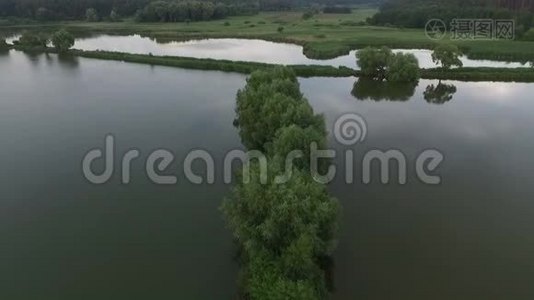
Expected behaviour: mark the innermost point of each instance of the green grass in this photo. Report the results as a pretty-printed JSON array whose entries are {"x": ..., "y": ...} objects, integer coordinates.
[
  {"x": 209, "y": 64},
  {"x": 481, "y": 74},
  {"x": 323, "y": 36}
]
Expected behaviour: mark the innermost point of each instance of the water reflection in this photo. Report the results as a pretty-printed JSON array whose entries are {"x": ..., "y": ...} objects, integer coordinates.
[
  {"x": 368, "y": 89},
  {"x": 33, "y": 56},
  {"x": 440, "y": 93},
  {"x": 68, "y": 61},
  {"x": 247, "y": 50}
]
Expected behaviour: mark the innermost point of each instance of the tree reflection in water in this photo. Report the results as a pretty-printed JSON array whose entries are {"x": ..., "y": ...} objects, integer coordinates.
[
  {"x": 440, "y": 93},
  {"x": 376, "y": 90}
]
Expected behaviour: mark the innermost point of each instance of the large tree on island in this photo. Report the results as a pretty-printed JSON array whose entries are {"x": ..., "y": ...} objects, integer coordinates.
[
  {"x": 62, "y": 40},
  {"x": 284, "y": 229},
  {"x": 448, "y": 55}
]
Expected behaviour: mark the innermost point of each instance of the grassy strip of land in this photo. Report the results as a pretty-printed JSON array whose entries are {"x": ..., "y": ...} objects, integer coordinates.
[
  {"x": 481, "y": 74},
  {"x": 211, "y": 64},
  {"x": 464, "y": 74},
  {"x": 243, "y": 67},
  {"x": 323, "y": 36}
]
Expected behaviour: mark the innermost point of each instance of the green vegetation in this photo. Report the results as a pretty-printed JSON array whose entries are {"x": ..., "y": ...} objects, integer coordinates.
[
  {"x": 337, "y": 10},
  {"x": 415, "y": 13},
  {"x": 323, "y": 36},
  {"x": 480, "y": 74},
  {"x": 62, "y": 40},
  {"x": 403, "y": 67},
  {"x": 281, "y": 97},
  {"x": 285, "y": 230},
  {"x": 213, "y": 64},
  {"x": 380, "y": 64},
  {"x": 32, "y": 42},
  {"x": 185, "y": 11},
  {"x": 114, "y": 16},
  {"x": 373, "y": 62},
  {"x": 91, "y": 15},
  {"x": 466, "y": 74},
  {"x": 3, "y": 44},
  {"x": 447, "y": 55}
]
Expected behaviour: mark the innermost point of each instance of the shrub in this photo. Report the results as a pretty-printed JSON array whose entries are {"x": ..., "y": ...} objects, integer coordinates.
[
  {"x": 280, "y": 29},
  {"x": 529, "y": 35},
  {"x": 448, "y": 55},
  {"x": 403, "y": 67},
  {"x": 91, "y": 15},
  {"x": 374, "y": 62},
  {"x": 380, "y": 64},
  {"x": 307, "y": 15},
  {"x": 3, "y": 44},
  {"x": 62, "y": 40},
  {"x": 31, "y": 40},
  {"x": 114, "y": 16}
]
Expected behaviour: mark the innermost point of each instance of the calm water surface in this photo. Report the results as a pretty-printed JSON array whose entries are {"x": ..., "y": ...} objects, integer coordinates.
[
  {"x": 472, "y": 237},
  {"x": 246, "y": 50}
]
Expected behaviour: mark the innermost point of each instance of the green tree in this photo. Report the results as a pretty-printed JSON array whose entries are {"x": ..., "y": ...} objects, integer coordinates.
[
  {"x": 403, "y": 67},
  {"x": 286, "y": 228},
  {"x": 44, "y": 14},
  {"x": 91, "y": 15},
  {"x": 529, "y": 35},
  {"x": 208, "y": 9},
  {"x": 114, "y": 16},
  {"x": 32, "y": 40},
  {"x": 270, "y": 101},
  {"x": 447, "y": 55},
  {"x": 374, "y": 62},
  {"x": 62, "y": 40},
  {"x": 3, "y": 44}
]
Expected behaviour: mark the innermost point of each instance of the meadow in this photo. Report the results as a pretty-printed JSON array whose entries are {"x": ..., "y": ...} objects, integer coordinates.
[{"x": 322, "y": 36}]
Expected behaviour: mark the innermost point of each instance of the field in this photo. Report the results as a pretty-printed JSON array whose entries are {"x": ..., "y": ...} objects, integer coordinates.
[{"x": 323, "y": 36}]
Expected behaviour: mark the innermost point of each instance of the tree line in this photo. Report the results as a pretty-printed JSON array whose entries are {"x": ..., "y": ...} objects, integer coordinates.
[
  {"x": 285, "y": 230},
  {"x": 153, "y": 10},
  {"x": 92, "y": 10},
  {"x": 181, "y": 11},
  {"x": 416, "y": 13}
]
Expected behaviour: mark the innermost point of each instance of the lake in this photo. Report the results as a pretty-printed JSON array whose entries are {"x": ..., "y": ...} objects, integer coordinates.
[
  {"x": 471, "y": 237},
  {"x": 247, "y": 50}
]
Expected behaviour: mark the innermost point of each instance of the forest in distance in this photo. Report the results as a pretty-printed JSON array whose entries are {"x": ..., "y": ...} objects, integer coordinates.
[{"x": 78, "y": 9}]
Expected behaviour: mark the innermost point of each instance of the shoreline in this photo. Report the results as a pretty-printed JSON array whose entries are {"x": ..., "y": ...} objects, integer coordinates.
[{"x": 475, "y": 74}]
